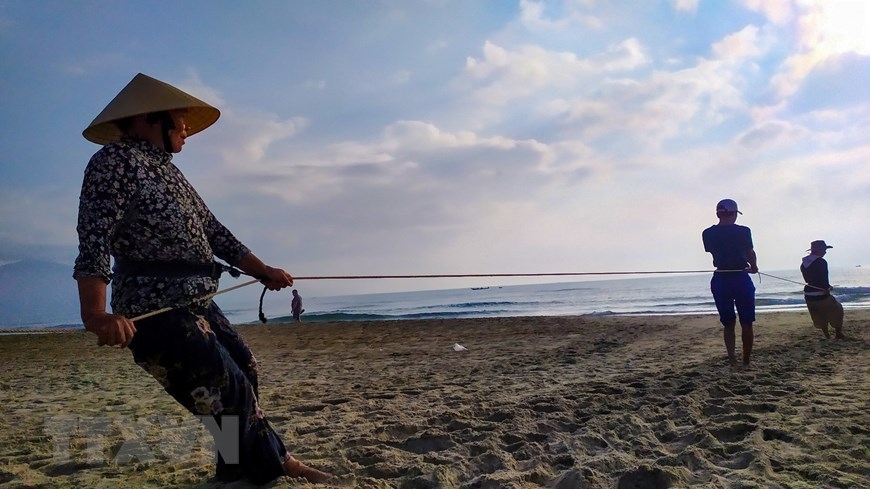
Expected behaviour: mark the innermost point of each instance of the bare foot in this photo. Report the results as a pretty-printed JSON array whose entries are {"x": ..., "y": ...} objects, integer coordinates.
[{"x": 295, "y": 468}]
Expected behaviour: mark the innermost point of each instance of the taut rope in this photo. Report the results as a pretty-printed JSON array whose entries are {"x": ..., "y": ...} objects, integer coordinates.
[
  {"x": 207, "y": 297},
  {"x": 463, "y": 275},
  {"x": 792, "y": 281},
  {"x": 235, "y": 273}
]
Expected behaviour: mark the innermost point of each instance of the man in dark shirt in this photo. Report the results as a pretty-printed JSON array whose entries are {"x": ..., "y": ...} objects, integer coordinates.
[
  {"x": 734, "y": 259},
  {"x": 824, "y": 308}
]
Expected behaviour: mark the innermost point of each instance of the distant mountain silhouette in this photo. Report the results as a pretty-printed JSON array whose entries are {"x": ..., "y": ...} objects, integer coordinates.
[{"x": 38, "y": 293}]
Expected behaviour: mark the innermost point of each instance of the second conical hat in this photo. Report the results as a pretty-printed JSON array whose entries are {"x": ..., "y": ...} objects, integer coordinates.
[{"x": 144, "y": 95}]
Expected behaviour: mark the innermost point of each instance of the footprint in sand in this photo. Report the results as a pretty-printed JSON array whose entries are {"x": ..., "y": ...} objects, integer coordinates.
[
  {"x": 732, "y": 432},
  {"x": 426, "y": 444},
  {"x": 769, "y": 434},
  {"x": 739, "y": 462},
  {"x": 645, "y": 477}
]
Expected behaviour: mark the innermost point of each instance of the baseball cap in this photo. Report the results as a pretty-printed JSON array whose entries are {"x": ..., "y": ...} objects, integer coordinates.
[{"x": 727, "y": 205}]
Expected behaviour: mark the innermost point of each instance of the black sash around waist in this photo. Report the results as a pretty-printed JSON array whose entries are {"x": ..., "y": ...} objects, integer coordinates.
[{"x": 169, "y": 269}]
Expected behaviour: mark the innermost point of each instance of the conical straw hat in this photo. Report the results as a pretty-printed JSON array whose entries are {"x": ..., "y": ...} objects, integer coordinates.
[{"x": 144, "y": 95}]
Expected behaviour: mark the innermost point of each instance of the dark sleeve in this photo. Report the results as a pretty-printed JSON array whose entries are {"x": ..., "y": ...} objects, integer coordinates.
[
  {"x": 749, "y": 239},
  {"x": 823, "y": 273},
  {"x": 108, "y": 187},
  {"x": 224, "y": 244}
]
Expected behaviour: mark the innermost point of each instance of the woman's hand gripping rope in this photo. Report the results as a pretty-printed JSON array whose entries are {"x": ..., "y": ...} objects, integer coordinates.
[{"x": 271, "y": 277}]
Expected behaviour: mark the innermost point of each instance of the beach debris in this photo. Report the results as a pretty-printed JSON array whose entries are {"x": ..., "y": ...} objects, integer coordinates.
[{"x": 458, "y": 347}]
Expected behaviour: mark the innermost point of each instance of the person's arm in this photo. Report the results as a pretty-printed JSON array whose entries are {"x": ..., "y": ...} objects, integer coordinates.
[
  {"x": 108, "y": 183},
  {"x": 753, "y": 261},
  {"x": 222, "y": 241},
  {"x": 111, "y": 329},
  {"x": 826, "y": 283},
  {"x": 751, "y": 257},
  {"x": 273, "y": 278}
]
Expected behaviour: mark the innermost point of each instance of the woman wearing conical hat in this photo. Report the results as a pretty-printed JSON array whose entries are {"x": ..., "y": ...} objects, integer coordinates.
[{"x": 138, "y": 208}]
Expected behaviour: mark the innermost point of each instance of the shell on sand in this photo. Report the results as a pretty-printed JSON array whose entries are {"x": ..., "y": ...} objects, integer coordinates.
[{"x": 561, "y": 402}]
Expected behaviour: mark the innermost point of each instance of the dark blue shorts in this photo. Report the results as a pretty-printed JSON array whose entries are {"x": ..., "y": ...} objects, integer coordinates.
[{"x": 734, "y": 290}]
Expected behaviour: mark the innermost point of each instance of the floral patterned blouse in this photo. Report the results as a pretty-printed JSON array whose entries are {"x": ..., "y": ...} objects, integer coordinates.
[{"x": 136, "y": 204}]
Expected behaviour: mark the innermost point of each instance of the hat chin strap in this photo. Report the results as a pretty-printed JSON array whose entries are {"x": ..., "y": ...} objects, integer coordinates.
[{"x": 166, "y": 125}]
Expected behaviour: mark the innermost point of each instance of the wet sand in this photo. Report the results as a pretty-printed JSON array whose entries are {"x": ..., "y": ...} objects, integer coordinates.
[{"x": 562, "y": 402}]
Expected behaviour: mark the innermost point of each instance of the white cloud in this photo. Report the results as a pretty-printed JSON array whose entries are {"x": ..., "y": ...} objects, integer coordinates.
[
  {"x": 502, "y": 75},
  {"x": 690, "y": 6},
  {"x": 402, "y": 76},
  {"x": 769, "y": 133},
  {"x": 646, "y": 112},
  {"x": 194, "y": 85},
  {"x": 777, "y": 11},
  {"x": 738, "y": 46},
  {"x": 626, "y": 56},
  {"x": 824, "y": 30},
  {"x": 556, "y": 128},
  {"x": 436, "y": 46},
  {"x": 834, "y": 27},
  {"x": 423, "y": 136},
  {"x": 533, "y": 18},
  {"x": 244, "y": 138}
]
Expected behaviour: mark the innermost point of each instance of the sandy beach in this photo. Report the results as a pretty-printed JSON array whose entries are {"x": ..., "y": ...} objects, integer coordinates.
[{"x": 562, "y": 402}]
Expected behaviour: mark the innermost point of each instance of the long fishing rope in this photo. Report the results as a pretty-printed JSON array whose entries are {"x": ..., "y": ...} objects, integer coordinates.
[
  {"x": 235, "y": 273},
  {"x": 204, "y": 298},
  {"x": 792, "y": 281},
  {"x": 465, "y": 275}
]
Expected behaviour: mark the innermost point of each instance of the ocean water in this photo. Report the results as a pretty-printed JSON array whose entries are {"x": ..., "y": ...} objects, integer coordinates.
[{"x": 642, "y": 295}]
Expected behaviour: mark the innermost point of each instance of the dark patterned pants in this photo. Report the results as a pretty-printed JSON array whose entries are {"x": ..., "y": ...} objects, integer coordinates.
[
  {"x": 202, "y": 362},
  {"x": 826, "y": 311}
]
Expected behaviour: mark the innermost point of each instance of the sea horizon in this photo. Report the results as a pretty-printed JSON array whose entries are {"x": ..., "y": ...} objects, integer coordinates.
[{"x": 638, "y": 296}]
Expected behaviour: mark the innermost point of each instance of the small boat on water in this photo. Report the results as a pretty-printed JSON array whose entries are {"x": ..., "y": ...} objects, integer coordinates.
[{"x": 479, "y": 288}]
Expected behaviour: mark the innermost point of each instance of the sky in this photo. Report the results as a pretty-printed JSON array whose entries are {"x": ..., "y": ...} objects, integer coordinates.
[{"x": 393, "y": 137}]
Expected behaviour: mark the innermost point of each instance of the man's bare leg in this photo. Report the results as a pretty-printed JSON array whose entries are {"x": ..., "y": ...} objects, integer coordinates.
[
  {"x": 294, "y": 468},
  {"x": 748, "y": 337},
  {"x": 837, "y": 321},
  {"x": 730, "y": 341}
]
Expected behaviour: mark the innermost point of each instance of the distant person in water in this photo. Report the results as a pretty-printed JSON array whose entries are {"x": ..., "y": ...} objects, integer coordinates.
[
  {"x": 734, "y": 259},
  {"x": 824, "y": 308},
  {"x": 296, "y": 307}
]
